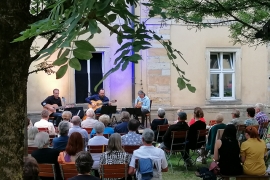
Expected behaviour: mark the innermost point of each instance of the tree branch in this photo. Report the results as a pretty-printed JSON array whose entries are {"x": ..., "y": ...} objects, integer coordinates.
[{"x": 107, "y": 26}]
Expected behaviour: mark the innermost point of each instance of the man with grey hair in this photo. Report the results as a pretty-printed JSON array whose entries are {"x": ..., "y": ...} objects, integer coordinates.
[
  {"x": 261, "y": 117},
  {"x": 90, "y": 120},
  {"x": 60, "y": 143},
  {"x": 143, "y": 102},
  {"x": 43, "y": 123},
  {"x": 235, "y": 118},
  {"x": 146, "y": 151},
  {"x": 76, "y": 121}
]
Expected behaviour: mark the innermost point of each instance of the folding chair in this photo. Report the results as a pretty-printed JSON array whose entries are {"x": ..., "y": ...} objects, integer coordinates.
[
  {"x": 114, "y": 171},
  {"x": 43, "y": 130},
  {"x": 265, "y": 127},
  {"x": 130, "y": 148},
  {"x": 200, "y": 146},
  {"x": 68, "y": 171},
  {"x": 96, "y": 148},
  {"x": 89, "y": 130},
  {"x": 240, "y": 132},
  {"x": 47, "y": 170},
  {"x": 161, "y": 130},
  {"x": 31, "y": 149}
]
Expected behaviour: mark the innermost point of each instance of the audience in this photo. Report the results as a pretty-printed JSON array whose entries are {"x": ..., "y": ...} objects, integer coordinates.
[
  {"x": 105, "y": 119},
  {"x": 227, "y": 152},
  {"x": 156, "y": 155},
  {"x": 74, "y": 145},
  {"x": 76, "y": 120},
  {"x": 30, "y": 169},
  {"x": 235, "y": 118},
  {"x": 60, "y": 143},
  {"x": 132, "y": 138},
  {"x": 83, "y": 165},
  {"x": 43, "y": 123},
  {"x": 251, "y": 121},
  {"x": 30, "y": 124},
  {"x": 213, "y": 132},
  {"x": 31, "y": 132},
  {"x": 261, "y": 117},
  {"x": 201, "y": 118},
  {"x": 66, "y": 116},
  {"x": 90, "y": 120},
  {"x": 160, "y": 121},
  {"x": 122, "y": 127}
]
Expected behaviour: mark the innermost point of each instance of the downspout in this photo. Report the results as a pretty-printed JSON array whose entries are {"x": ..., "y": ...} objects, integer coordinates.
[{"x": 132, "y": 64}]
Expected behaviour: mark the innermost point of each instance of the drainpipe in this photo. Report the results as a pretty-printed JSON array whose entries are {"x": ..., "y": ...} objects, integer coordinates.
[{"x": 132, "y": 64}]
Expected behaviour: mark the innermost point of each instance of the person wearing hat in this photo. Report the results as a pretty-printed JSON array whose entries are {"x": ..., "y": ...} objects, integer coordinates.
[
  {"x": 181, "y": 125},
  {"x": 235, "y": 118}
]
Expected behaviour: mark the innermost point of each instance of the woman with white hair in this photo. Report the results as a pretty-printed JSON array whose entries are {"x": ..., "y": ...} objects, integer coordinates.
[
  {"x": 66, "y": 116},
  {"x": 32, "y": 131},
  {"x": 60, "y": 143},
  {"x": 90, "y": 120},
  {"x": 105, "y": 119},
  {"x": 160, "y": 121}
]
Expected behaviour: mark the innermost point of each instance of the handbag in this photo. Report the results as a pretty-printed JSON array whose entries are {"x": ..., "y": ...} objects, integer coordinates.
[{"x": 214, "y": 168}]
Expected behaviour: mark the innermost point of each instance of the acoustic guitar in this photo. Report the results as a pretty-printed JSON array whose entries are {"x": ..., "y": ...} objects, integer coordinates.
[
  {"x": 55, "y": 106},
  {"x": 99, "y": 104}
]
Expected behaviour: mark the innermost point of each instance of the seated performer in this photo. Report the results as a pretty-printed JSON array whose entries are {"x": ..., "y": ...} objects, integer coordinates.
[
  {"x": 100, "y": 96},
  {"x": 143, "y": 102},
  {"x": 51, "y": 100}
]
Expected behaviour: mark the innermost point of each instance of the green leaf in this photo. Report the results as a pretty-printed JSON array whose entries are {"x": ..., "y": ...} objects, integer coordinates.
[
  {"x": 181, "y": 83},
  {"x": 75, "y": 63},
  {"x": 125, "y": 65},
  {"x": 125, "y": 52},
  {"x": 191, "y": 88},
  {"x": 119, "y": 39},
  {"x": 59, "y": 53},
  {"x": 82, "y": 54},
  {"x": 61, "y": 71},
  {"x": 60, "y": 61},
  {"x": 82, "y": 44},
  {"x": 112, "y": 17},
  {"x": 65, "y": 53},
  {"x": 102, "y": 4},
  {"x": 135, "y": 58},
  {"x": 93, "y": 26},
  {"x": 126, "y": 45}
]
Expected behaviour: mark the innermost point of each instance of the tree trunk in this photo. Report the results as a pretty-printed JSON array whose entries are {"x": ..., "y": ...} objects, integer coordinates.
[{"x": 14, "y": 65}]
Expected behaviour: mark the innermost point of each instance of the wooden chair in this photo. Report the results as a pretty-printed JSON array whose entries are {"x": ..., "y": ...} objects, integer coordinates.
[
  {"x": 212, "y": 122},
  {"x": 130, "y": 148},
  {"x": 105, "y": 135},
  {"x": 31, "y": 149},
  {"x": 161, "y": 130},
  {"x": 47, "y": 170},
  {"x": 240, "y": 130},
  {"x": 43, "y": 130},
  {"x": 114, "y": 171},
  {"x": 200, "y": 145},
  {"x": 68, "y": 171},
  {"x": 96, "y": 148},
  {"x": 148, "y": 115},
  {"x": 89, "y": 130}
]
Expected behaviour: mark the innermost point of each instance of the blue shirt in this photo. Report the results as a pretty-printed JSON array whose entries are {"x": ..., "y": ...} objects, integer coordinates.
[
  {"x": 131, "y": 138},
  {"x": 121, "y": 128},
  {"x": 78, "y": 129},
  {"x": 96, "y": 98},
  {"x": 145, "y": 102},
  {"x": 60, "y": 143},
  {"x": 107, "y": 130}
]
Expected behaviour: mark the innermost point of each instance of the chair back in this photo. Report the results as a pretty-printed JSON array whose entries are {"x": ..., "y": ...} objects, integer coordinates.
[
  {"x": 201, "y": 139},
  {"x": 219, "y": 134},
  {"x": 96, "y": 148},
  {"x": 89, "y": 130},
  {"x": 113, "y": 171},
  {"x": 31, "y": 149},
  {"x": 68, "y": 171},
  {"x": 130, "y": 148},
  {"x": 212, "y": 122},
  {"x": 161, "y": 129},
  {"x": 240, "y": 130},
  {"x": 43, "y": 130},
  {"x": 47, "y": 170},
  {"x": 179, "y": 139}
]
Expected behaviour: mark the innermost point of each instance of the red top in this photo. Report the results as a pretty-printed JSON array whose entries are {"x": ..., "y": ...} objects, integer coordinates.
[{"x": 192, "y": 121}]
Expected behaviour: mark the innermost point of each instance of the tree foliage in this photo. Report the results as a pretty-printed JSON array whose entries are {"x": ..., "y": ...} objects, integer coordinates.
[{"x": 69, "y": 19}]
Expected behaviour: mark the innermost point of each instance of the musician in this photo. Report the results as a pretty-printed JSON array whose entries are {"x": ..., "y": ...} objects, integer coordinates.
[
  {"x": 143, "y": 102},
  {"x": 100, "y": 96},
  {"x": 50, "y": 100}
]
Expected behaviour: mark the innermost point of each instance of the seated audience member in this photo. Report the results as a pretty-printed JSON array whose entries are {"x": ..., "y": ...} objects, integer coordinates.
[
  {"x": 99, "y": 139},
  {"x": 181, "y": 125},
  {"x": 213, "y": 132},
  {"x": 60, "y": 143},
  {"x": 261, "y": 117},
  {"x": 252, "y": 153},
  {"x": 251, "y": 121},
  {"x": 227, "y": 152},
  {"x": 74, "y": 145},
  {"x": 44, "y": 154},
  {"x": 66, "y": 116},
  {"x": 83, "y": 165},
  {"x": 132, "y": 138},
  {"x": 201, "y": 118},
  {"x": 32, "y": 131},
  {"x": 105, "y": 120},
  {"x": 122, "y": 127},
  {"x": 43, "y": 123},
  {"x": 30, "y": 124},
  {"x": 146, "y": 151},
  {"x": 90, "y": 120},
  {"x": 76, "y": 121},
  {"x": 30, "y": 169},
  {"x": 160, "y": 121},
  {"x": 235, "y": 118},
  {"x": 115, "y": 154}
]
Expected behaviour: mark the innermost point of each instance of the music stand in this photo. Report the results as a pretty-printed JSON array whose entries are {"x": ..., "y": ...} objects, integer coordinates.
[
  {"x": 108, "y": 110},
  {"x": 76, "y": 111},
  {"x": 134, "y": 111}
]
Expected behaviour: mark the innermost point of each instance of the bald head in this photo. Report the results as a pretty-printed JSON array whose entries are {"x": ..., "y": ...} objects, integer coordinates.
[{"x": 76, "y": 120}]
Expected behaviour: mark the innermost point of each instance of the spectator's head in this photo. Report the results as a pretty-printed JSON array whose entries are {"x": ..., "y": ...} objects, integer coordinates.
[
  {"x": 84, "y": 162},
  {"x": 42, "y": 140},
  {"x": 114, "y": 143},
  {"x": 141, "y": 94},
  {"x": 125, "y": 116},
  {"x": 198, "y": 113},
  {"x": 56, "y": 93},
  {"x": 45, "y": 114},
  {"x": 259, "y": 107},
  {"x": 229, "y": 132},
  {"x": 101, "y": 93},
  {"x": 251, "y": 112},
  {"x": 219, "y": 118},
  {"x": 66, "y": 115},
  {"x": 133, "y": 125},
  {"x": 235, "y": 113},
  {"x": 105, "y": 119},
  {"x": 148, "y": 136},
  {"x": 32, "y": 132},
  {"x": 75, "y": 144},
  {"x": 76, "y": 120},
  {"x": 63, "y": 128},
  {"x": 99, "y": 127},
  {"x": 30, "y": 169},
  {"x": 90, "y": 113},
  {"x": 252, "y": 132},
  {"x": 182, "y": 116},
  {"x": 161, "y": 112}
]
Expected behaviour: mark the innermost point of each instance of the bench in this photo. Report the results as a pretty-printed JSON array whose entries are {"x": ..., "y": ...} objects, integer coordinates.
[{"x": 244, "y": 177}]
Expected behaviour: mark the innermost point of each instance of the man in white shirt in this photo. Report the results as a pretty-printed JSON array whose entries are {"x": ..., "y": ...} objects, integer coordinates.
[
  {"x": 89, "y": 122},
  {"x": 157, "y": 156},
  {"x": 43, "y": 123}
]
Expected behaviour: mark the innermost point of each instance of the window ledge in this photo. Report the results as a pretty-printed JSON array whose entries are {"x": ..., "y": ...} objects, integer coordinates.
[{"x": 223, "y": 102}]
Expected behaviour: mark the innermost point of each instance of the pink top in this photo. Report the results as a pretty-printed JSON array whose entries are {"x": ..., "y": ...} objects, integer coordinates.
[{"x": 192, "y": 121}]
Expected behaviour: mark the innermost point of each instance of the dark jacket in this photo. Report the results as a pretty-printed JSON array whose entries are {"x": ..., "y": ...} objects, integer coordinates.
[
  {"x": 212, "y": 136},
  {"x": 193, "y": 134}
]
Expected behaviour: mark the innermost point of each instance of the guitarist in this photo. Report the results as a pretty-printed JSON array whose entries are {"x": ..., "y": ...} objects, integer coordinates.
[
  {"x": 143, "y": 102},
  {"x": 50, "y": 100},
  {"x": 100, "y": 96}
]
